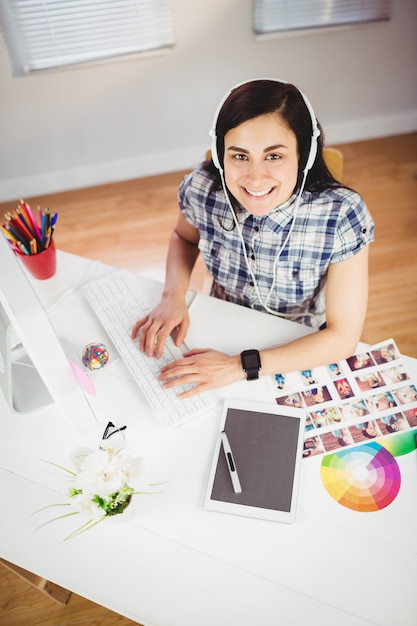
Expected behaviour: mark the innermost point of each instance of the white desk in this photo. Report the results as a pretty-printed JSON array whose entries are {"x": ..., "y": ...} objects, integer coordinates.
[{"x": 174, "y": 564}]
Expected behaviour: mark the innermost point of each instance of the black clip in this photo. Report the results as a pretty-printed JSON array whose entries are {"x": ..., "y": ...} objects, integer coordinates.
[{"x": 107, "y": 434}]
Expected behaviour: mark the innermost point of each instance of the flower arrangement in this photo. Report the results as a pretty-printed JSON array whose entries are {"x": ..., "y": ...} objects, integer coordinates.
[{"x": 102, "y": 485}]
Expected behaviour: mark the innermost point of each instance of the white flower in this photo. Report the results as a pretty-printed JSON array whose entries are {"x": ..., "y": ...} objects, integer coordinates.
[
  {"x": 130, "y": 468},
  {"x": 106, "y": 471},
  {"x": 98, "y": 474},
  {"x": 83, "y": 503}
]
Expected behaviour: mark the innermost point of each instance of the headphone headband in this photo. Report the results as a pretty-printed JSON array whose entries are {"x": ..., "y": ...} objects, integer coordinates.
[{"x": 315, "y": 132}]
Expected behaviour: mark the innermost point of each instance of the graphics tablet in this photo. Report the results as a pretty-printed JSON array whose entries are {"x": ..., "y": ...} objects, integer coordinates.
[{"x": 261, "y": 454}]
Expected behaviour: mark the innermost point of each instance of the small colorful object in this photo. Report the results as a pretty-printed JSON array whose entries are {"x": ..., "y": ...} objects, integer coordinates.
[{"x": 95, "y": 356}]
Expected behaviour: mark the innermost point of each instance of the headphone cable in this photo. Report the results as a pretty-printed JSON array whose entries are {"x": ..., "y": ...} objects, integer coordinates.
[{"x": 264, "y": 304}]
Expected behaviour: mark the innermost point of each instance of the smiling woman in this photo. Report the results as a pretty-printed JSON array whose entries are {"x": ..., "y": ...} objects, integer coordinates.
[{"x": 277, "y": 233}]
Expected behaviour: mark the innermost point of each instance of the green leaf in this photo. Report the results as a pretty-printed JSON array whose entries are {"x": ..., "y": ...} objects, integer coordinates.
[
  {"x": 50, "y": 506},
  {"x": 90, "y": 524},
  {"x": 65, "y": 469},
  {"x": 56, "y": 518}
]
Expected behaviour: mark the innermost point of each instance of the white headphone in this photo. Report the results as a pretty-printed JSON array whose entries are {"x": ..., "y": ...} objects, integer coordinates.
[
  {"x": 309, "y": 164},
  {"x": 314, "y": 136}
]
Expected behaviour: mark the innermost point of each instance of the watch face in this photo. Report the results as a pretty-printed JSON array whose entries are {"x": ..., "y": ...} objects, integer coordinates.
[
  {"x": 251, "y": 363},
  {"x": 252, "y": 360}
]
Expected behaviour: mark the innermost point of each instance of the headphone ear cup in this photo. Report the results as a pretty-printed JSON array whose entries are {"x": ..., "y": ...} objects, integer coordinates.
[
  {"x": 313, "y": 150},
  {"x": 213, "y": 148}
]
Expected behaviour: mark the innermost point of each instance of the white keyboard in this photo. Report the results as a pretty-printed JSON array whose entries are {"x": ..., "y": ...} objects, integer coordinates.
[{"x": 118, "y": 304}]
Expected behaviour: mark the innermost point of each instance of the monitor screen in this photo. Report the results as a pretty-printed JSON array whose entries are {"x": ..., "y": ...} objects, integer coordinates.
[{"x": 34, "y": 368}]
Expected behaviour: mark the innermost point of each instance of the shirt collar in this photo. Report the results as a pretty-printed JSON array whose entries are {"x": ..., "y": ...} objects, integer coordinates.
[{"x": 276, "y": 219}]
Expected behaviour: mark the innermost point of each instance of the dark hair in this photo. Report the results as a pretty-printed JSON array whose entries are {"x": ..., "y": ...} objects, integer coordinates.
[
  {"x": 365, "y": 431},
  {"x": 260, "y": 97}
]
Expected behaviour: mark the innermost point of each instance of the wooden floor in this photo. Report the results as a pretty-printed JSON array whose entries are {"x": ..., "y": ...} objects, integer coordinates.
[
  {"x": 128, "y": 225},
  {"x": 23, "y": 605}
]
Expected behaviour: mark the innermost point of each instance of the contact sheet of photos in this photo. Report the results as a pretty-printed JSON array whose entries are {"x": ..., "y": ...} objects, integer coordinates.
[{"x": 364, "y": 397}]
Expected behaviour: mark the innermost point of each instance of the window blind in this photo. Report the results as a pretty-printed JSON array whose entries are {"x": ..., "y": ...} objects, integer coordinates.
[
  {"x": 285, "y": 15},
  {"x": 48, "y": 33}
]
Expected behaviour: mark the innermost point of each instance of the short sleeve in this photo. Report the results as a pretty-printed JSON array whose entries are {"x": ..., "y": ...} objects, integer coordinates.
[
  {"x": 184, "y": 200},
  {"x": 355, "y": 228}
]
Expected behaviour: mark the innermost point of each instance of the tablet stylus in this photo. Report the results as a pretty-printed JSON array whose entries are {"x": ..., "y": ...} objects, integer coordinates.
[{"x": 230, "y": 463}]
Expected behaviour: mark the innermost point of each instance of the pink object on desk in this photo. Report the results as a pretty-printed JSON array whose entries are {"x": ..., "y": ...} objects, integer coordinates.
[{"x": 84, "y": 380}]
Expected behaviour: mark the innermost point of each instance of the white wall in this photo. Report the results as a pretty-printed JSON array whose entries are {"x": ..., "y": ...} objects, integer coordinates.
[{"x": 89, "y": 125}]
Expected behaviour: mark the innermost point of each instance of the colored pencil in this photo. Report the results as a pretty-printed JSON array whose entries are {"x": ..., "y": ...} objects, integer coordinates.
[{"x": 24, "y": 233}]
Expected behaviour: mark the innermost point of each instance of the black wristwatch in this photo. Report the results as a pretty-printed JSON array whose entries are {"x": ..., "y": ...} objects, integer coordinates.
[{"x": 251, "y": 363}]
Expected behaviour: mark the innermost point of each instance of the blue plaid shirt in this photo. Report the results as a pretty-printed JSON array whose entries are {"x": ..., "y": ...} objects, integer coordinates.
[{"x": 330, "y": 226}]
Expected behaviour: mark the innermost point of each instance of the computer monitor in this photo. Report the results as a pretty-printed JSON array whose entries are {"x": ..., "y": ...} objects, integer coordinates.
[{"x": 34, "y": 368}]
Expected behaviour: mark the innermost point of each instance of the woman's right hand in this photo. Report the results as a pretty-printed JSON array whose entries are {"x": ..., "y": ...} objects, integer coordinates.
[{"x": 154, "y": 329}]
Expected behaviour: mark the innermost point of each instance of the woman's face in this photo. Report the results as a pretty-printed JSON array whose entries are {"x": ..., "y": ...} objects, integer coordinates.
[{"x": 261, "y": 163}]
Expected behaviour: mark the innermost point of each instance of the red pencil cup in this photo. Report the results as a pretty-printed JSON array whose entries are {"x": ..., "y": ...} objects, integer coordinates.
[{"x": 41, "y": 265}]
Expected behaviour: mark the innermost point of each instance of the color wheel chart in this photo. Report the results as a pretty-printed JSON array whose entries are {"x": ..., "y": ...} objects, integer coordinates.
[{"x": 367, "y": 478}]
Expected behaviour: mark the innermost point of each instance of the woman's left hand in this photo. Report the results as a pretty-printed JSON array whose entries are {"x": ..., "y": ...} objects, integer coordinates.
[{"x": 205, "y": 369}]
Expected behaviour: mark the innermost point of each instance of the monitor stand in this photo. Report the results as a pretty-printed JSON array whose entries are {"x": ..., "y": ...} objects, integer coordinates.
[{"x": 20, "y": 381}]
